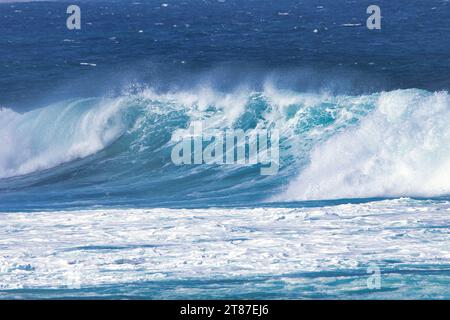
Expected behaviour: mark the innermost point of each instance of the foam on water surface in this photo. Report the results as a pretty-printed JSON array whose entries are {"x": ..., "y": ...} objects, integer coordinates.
[
  {"x": 399, "y": 149},
  {"x": 94, "y": 249}
]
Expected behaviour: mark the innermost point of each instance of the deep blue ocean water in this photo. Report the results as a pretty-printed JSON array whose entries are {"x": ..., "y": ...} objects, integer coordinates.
[{"x": 86, "y": 122}]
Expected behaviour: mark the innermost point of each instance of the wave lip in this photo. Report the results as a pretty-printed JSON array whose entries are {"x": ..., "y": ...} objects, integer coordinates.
[{"x": 400, "y": 149}]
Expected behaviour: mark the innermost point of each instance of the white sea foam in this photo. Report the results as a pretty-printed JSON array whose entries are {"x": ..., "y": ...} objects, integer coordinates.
[
  {"x": 400, "y": 149},
  {"x": 44, "y": 138},
  {"x": 46, "y": 249},
  {"x": 88, "y": 64},
  {"x": 351, "y": 25},
  {"x": 195, "y": 102}
]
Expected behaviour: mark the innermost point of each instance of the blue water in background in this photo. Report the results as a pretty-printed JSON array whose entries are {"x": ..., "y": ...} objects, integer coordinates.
[
  {"x": 224, "y": 44},
  {"x": 147, "y": 57},
  {"x": 410, "y": 51}
]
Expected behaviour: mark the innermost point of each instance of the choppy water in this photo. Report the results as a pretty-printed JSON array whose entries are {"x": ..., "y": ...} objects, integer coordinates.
[
  {"x": 293, "y": 253},
  {"x": 87, "y": 181}
]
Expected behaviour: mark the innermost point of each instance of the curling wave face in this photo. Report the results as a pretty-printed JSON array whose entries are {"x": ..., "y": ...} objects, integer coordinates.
[
  {"x": 113, "y": 151},
  {"x": 47, "y": 137}
]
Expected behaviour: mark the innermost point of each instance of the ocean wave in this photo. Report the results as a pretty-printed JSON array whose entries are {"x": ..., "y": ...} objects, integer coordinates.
[
  {"x": 332, "y": 146},
  {"x": 400, "y": 149},
  {"x": 46, "y": 137}
]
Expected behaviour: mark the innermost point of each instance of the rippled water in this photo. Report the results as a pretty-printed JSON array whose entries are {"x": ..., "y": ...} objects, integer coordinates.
[{"x": 92, "y": 205}]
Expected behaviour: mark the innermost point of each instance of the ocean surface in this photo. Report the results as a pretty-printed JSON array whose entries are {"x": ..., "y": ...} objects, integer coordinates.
[{"x": 92, "y": 206}]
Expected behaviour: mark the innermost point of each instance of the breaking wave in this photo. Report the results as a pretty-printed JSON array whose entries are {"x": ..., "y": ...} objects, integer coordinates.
[{"x": 388, "y": 144}]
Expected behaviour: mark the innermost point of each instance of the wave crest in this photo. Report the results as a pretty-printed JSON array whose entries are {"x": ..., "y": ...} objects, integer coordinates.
[
  {"x": 331, "y": 146},
  {"x": 400, "y": 149}
]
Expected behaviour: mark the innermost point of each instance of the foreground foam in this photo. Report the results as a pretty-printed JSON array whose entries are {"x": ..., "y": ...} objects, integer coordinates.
[{"x": 48, "y": 249}]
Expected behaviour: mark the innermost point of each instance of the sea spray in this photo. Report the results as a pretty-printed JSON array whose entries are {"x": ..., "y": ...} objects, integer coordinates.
[{"x": 400, "y": 149}]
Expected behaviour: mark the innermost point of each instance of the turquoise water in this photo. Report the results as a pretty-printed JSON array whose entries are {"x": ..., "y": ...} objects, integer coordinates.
[{"x": 92, "y": 205}]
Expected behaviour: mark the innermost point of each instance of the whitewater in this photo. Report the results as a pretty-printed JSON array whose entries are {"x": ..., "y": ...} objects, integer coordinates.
[
  {"x": 387, "y": 144},
  {"x": 88, "y": 184},
  {"x": 92, "y": 205},
  {"x": 290, "y": 253}
]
